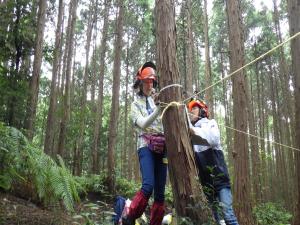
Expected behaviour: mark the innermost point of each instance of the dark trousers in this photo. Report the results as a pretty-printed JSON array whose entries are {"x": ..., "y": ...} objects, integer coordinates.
[{"x": 154, "y": 173}]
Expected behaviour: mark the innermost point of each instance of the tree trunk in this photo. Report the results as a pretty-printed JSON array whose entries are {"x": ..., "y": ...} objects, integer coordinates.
[
  {"x": 188, "y": 194},
  {"x": 261, "y": 195},
  {"x": 66, "y": 97},
  {"x": 98, "y": 116},
  {"x": 189, "y": 49},
  {"x": 125, "y": 134},
  {"x": 227, "y": 110},
  {"x": 132, "y": 147},
  {"x": 254, "y": 146},
  {"x": 208, "y": 92},
  {"x": 242, "y": 185},
  {"x": 82, "y": 118},
  {"x": 51, "y": 121},
  {"x": 34, "y": 82},
  {"x": 276, "y": 129},
  {"x": 114, "y": 113},
  {"x": 294, "y": 22},
  {"x": 287, "y": 109}
]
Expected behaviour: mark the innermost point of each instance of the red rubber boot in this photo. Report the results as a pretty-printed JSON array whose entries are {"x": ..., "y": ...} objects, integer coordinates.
[
  {"x": 136, "y": 209},
  {"x": 157, "y": 213}
]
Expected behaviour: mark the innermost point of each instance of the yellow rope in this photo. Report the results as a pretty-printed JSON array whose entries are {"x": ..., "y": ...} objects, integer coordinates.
[
  {"x": 174, "y": 103},
  {"x": 248, "y": 64}
]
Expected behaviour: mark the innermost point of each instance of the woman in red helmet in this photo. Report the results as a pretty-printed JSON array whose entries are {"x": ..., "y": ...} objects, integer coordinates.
[
  {"x": 153, "y": 164},
  {"x": 213, "y": 172}
]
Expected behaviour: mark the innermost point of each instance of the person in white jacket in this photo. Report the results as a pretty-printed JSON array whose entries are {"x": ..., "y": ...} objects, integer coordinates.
[{"x": 213, "y": 172}]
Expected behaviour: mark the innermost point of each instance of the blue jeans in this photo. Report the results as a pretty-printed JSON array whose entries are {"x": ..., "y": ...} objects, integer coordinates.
[
  {"x": 154, "y": 173},
  {"x": 224, "y": 198}
]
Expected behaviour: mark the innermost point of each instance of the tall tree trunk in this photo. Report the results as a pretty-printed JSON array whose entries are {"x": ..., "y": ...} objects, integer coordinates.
[
  {"x": 34, "y": 82},
  {"x": 189, "y": 49},
  {"x": 98, "y": 115},
  {"x": 187, "y": 190},
  {"x": 242, "y": 185},
  {"x": 208, "y": 92},
  {"x": 66, "y": 97},
  {"x": 227, "y": 110},
  {"x": 51, "y": 121},
  {"x": 254, "y": 146},
  {"x": 294, "y": 22},
  {"x": 287, "y": 109},
  {"x": 82, "y": 118},
  {"x": 261, "y": 194},
  {"x": 276, "y": 130},
  {"x": 114, "y": 113},
  {"x": 125, "y": 134},
  {"x": 131, "y": 152}
]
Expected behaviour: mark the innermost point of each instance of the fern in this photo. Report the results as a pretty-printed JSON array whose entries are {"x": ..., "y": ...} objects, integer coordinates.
[{"x": 23, "y": 164}]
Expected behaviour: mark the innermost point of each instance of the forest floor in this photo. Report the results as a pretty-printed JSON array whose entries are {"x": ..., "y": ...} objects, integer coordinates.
[{"x": 17, "y": 211}]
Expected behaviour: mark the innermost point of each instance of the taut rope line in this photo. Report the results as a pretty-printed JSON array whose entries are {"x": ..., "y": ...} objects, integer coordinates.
[
  {"x": 248, "y": 64},
  {"x": 255, "y": 136},
  {"x": 177, "y": 104}
]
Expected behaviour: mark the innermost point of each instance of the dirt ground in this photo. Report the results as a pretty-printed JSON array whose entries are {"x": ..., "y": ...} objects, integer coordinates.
[{"x": 17, "y": 211}]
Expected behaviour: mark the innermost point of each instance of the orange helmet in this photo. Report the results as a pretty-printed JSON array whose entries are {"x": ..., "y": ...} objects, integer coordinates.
[
  {"x": 201, "y": 104},
  {"x": 147, "y": 71}
]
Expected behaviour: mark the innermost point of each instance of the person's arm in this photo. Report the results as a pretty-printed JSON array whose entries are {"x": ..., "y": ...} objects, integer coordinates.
[
  {"x": 144, "y": 122},
  {"x": 141, "y": 121},
  {"x": 210, "y": 133}
]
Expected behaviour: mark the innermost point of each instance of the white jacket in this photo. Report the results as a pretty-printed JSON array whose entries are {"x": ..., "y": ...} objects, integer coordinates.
[{"x": 208, "y": 130}]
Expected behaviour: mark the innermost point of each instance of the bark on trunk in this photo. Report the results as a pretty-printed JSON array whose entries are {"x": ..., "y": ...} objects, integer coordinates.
[
  {"x": 242, "y": 185},
  {"x": 98, "y": 120},
  {"x": 66, "y": 97},
  {"x": 208, "y": 93},
  {"x": 294, "y": 22},
  {"x": 34, "y": 82},
  {"x": 51, "y": 121},
  {"x": 114, "y": 113},
  {"x": 79, "y": 147},
  {"x": 189, "y": 48}
]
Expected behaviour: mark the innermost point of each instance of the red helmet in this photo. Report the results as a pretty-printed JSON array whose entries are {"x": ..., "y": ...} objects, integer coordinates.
[
  {"x": 147, "y": 71},
  {"x": 201, "y": 104}
]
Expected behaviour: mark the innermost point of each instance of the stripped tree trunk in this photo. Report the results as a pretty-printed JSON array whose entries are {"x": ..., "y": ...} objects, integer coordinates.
[{"x": 189, "y": 198}]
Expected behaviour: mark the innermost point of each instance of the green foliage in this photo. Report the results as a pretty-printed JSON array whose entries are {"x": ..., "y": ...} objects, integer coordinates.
[
  {"x": 93, "y": 183},
  {"x": 169, "y": 195},
  {"x": 17, "y": 36},
  {"x": 23, "y": 165},
  {"x": 125, "y": 187},
  {"x": 271, "y": 213}
]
